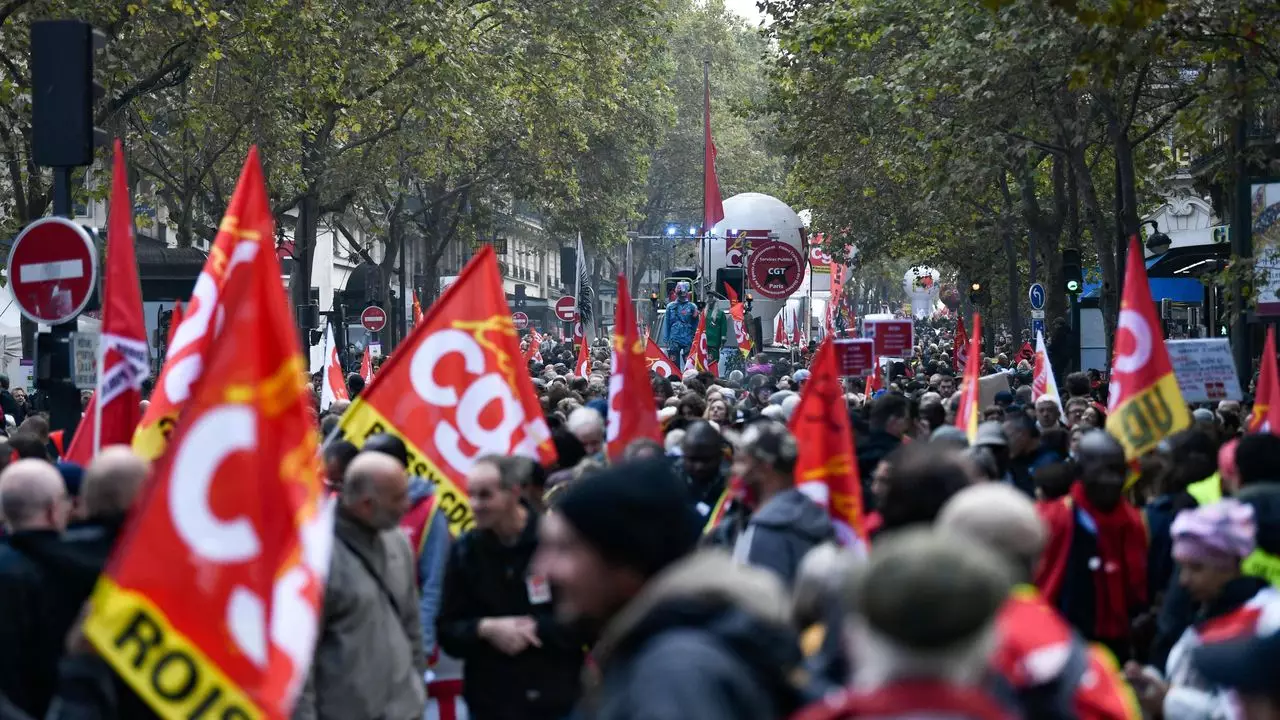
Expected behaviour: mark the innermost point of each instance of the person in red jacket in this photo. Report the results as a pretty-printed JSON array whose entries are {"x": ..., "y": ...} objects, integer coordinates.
[
  {"x": 920, "y": 627},
  {"x": 1094, "y": 569},
  {"x": 1038, "y": 653}
]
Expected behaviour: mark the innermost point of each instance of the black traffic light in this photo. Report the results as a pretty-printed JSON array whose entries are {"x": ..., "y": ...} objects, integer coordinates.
[
  {"x": 977, "y": 294},
  {"x": 63, "y": 92},
  {"x": 1072, "y": 274}
]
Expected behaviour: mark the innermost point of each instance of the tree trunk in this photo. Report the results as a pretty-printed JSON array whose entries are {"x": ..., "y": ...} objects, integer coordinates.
[{"x": 1104, "y": 243}]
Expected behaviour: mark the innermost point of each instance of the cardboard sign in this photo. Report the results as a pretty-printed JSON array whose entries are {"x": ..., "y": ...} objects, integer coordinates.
[
  {"x": 855, "y": 356},
  {"x": 988, "y": 387},
  {"x": 893, "y": 338},
  {"x": 1205, "y": 370},
  {"x": 84, "y": 359}
]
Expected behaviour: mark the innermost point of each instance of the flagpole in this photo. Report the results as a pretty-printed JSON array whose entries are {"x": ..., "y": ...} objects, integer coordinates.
[{"x": 97, "y": 399}]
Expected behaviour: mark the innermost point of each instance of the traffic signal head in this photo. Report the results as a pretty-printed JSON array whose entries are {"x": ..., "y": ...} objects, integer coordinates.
[
  {"x": 1072, "y": 273},
  {"x": 63, "y": 92}
]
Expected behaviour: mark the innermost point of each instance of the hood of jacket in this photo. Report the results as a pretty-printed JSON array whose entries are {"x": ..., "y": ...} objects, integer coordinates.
[
  {"x": 743, "y": 607},
  {"x": 1265, "y": 499},
  {"x": 792, "y": 511}
]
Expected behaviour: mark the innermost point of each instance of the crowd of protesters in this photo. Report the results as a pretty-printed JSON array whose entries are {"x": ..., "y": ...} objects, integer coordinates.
[{"x": 1018, "y": 575}]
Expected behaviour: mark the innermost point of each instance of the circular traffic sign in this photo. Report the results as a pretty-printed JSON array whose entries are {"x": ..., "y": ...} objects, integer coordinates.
[
  {"x": 776, "y": 269},
  {"x": 373, "y": 318},
  {"x": 53, "y": 269},
  {"x": 567, "y": 308},
  {"x": 520, "y": 319},
  {"x": 1036, "y": 295}
]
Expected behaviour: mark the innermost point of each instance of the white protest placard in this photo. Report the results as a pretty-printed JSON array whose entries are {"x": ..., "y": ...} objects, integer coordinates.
[
  {"x": 1205, "y": 370},
  {"x": 84, "y": 359}
]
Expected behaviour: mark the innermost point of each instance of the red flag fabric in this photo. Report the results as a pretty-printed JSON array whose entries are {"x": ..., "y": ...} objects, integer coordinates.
[
  {"x": 657, "y": 360},
  {"x": 737, "y": 313},
  {"x": 960, "y": 345},
  {"x": 969, "y": 414},
  {"x": 1043, "y": 383},
  {"x": 583, "y": 367},
  {"x": 334, "y": 385},
  {"x": 125, "y": 361},
  {"x": 833, "y": 303},
  {"x": 712, "y": 204},
  {"x": 366, "y": 365},
  {"x": 826, "y": 469},
  {"x": 1268, "y": 380},
  {"x": 241, "y": 228},
  {"x": 797, "y": 337},
  {"x": 1144, "y": 403},
  {"x": 779, "y": 330},
  {"x": 456, "y": 390},
  {"x": 875, "y": 381},
  {"x": 699, "y": 358},
  {"x": 631, "y": 412},
  {"x": 534, "y": 352},
  {"x": 417, "y": 309},
  {"x": 210, "y": 603},
  {"x": 175, "y": 319}
]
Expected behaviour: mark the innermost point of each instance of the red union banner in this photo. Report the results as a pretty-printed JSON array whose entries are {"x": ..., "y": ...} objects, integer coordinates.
[
  {"x": 457, "y": 389},
  {"x": 210, "y": 603},
  {"x": 855, "y": 356},
  {"x": 776, "y": 269}
]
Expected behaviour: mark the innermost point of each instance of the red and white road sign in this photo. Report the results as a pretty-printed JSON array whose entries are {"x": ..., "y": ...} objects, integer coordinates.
[
  {"x": 520, "y": 319},
  {"x": 567, "y": 308},
  {"x": 53, "y": 269},
  {"x": 373, "y": 318}
]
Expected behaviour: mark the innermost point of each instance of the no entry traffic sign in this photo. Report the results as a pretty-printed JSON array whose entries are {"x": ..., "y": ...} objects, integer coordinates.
[
  {"x": 567, "y": 308},
  {"x": 53, "y": 269},
  {"x": 373, "y": 318},
  {"x": 520, "y": 319}
]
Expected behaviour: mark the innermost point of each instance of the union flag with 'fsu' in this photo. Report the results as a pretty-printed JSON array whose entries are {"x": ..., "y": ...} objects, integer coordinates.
[
  {"x": 1144, "y": 404},
  {"x": 657, "y": 360},
  {"x": 201, "y": 323},
  {"x": 455, "y": 390},
  {"x": 210, "y": 603},
  {"x": 826, "y": 467},
  {"x": 631, "y": 412}
]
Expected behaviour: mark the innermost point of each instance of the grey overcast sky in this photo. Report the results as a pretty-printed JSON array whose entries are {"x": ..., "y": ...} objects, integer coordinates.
[{"x": 745, "y": 8}]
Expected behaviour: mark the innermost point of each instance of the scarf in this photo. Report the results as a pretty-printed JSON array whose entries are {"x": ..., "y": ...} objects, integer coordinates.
[{"x": 1120, "y": 583}]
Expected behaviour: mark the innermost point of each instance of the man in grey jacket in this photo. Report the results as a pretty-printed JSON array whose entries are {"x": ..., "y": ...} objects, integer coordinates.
[
  {"x": 786, "y": 524},
  {"x": 369, "y": 661}
]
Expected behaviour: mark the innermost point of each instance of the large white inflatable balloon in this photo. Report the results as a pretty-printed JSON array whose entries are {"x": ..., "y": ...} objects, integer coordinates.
[
  {"x": 779, "y": 256},
  {"x": 921, "y": 285}
]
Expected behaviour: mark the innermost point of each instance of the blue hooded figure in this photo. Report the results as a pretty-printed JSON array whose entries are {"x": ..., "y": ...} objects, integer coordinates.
[{"x": 679, "y": 324}]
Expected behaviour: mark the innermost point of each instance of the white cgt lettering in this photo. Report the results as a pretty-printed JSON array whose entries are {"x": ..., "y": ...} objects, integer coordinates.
[
  {"x": 213, "y": 437},
  {"x": 479, "y": 393},
  {"x": 614, "y": 427}
]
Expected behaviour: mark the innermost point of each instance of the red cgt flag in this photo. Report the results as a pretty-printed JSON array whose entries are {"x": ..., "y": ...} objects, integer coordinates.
[
  {"x": 969, "y": 414},
  {"x": 333, "y": 387},
  {"x": 658, "y": 360},
  {"x": 184, "y": 364},
  {"x": 175, "y": 319},
  {"x": 366, "y": 365},
  {"x": 631, "y": 412},
  {"x": 456, "y": 390},
  {"x": 960, "y": 345},
  {"x": 209, "y": 605},
  {"x": 115, "y": 409},
  {"x": 1144, "y": 403},
  {"x": 826, "y": 468},
  {"x": 1267, "y": 385},
  {"x": 699, "y": 358},
  {"x": 582, "y": 368}
]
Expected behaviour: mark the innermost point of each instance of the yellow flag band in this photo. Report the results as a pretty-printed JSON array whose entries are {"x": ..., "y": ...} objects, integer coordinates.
[
  {"x": 361, "y": 421},
  {"x": 149, "y": 441},
  {"x": 164, "y": 667},
  {"x": 1147, "y": 417}
]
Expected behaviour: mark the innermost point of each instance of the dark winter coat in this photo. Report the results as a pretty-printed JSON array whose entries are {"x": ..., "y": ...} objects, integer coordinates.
[
  {"x": 873, "y": 447},
  {"x": 781, "y": 532},
  {"x": 705, "y": 640},
  {"x": 484, "y": 579}
]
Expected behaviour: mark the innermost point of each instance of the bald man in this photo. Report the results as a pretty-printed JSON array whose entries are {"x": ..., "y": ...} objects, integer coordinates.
[
  {"x": 112, "y": 481},
  {"x": 36, "y": 609},
  {"x": 369, "y": 661}
]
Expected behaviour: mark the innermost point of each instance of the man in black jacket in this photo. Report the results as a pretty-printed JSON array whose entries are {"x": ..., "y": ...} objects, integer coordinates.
[
  {"x": 9, "y": 403},
  {"x": 890, "y": 419},
  {"x": 36, "y": 609},
  {"x": 497, "y": 614}
]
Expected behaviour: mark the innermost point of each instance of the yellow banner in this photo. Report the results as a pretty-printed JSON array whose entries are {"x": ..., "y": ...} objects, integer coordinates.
[
  {"x": 361, "y": 420},
  {"x": 165, "y": 668},
  {"x": 149, "y": 441},
  {"x": 1148, "y": 417}
]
